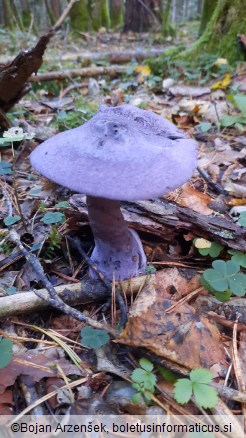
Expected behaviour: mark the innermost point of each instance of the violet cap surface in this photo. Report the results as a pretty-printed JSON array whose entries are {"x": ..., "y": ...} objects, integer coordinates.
[{"x": 122, "y": 153}]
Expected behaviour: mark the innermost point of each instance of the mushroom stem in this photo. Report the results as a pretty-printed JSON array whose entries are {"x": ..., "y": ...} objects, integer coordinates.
[{"x": 118, "y": 250}]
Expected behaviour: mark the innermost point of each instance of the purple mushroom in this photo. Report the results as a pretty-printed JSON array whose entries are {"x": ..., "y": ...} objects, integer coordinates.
[{"x": 122, "y": 153}]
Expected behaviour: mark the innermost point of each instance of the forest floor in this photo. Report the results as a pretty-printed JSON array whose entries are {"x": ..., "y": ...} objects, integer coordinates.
[{"x": 53, "y": 362}]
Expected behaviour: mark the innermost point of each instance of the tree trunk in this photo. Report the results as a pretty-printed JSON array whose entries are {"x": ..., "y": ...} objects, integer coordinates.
[
  {"x": 105, "y": 14},
  {"x": 8, "y": 14},
  {"x": 207, "y": 12},
  {"x": 56, "y": 8},
  {"x": 139, "y": 15},
  {"x": 185, "y": 10},
  {"x": 220, "y": 35},
  {"x": 99, "y": 14},
  {"x": 165, "y": 26},
  {"x": 80, "y": 17},
  {"x": 116, "y": 13},
  {"x": 199, "y": 7}
]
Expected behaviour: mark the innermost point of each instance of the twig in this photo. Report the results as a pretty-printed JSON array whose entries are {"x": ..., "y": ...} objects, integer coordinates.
[
  {"x": 64, "y": 15},
  {"x": 184, "y": 300},
  {"x": 8, "y": 202},
  {"x": 216, "y": 187},
  {"x": 49, "y": 395},
  {"x": 9, "y": 260},
  {"x": 120, "y": 301},
  {"x": 54, "y": 300},
  {"x": 72, "y": 87},
  {"x": 221, "y": 319},
  {"x": 236, "y": 360},
  {"x": 230, "y": 393}
]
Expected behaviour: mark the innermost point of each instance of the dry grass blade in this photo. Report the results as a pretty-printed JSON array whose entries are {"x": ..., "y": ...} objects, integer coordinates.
[
  {"x": 48, "y": 396},
  {"x": 184, "y": 300}
]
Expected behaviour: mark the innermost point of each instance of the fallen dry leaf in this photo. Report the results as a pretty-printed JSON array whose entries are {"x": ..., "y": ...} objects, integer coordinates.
[
  {"x": 35, "y": 364},
  {"x": 175, "y": 283},
  {"x": 197, "y": 201},
  {"x": 183, "y": 121},
  {"x": 6, "y": 402},
  {"x": 52, "y": 384},
  {"x": 171, "y": 335}
]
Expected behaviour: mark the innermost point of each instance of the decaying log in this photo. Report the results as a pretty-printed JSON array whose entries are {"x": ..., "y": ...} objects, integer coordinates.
[
  {"x": 216, "y": 228},
  {"x": 14, "y": 76},
  {"x": 92, "y": 57},
  {"x": 113, "y": 70},
  {"x": 110, "y": 57},
  {"x": 167, "y": 220},
  {"x": 73, "y": 294}
]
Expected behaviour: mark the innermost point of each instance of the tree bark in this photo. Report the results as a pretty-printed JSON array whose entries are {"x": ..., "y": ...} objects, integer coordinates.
[
  {"x": 220, "y": 35},
  {"x": 80, "y": 17},
  {"x": 165, "y": 27},
  {"x": 56, "y": 8},
  {"x": 7, "y": 14},
  {"x": 207, "y": 12},
  {"x": 199, "y": 7},
  {"x": 171, "y": 220},
  {"x": 14, "y": 76},
  {"x": 139, "y": 15},
  {"x": 116, "y": 13}
]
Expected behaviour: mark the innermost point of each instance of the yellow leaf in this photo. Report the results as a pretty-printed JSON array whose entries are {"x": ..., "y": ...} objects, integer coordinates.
[
  {"x": 202, "y": 243},
  {"x": 223, "y": 83},
  {"x": 143, "y": 71}
]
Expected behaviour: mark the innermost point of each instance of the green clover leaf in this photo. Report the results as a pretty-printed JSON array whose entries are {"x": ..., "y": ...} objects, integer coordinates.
[
  {"x": 225, "y": 276},
  {"x": 238, "y": 257},
  {"x": 94, "y": 338},
  {"x": 53, "y": 217}
]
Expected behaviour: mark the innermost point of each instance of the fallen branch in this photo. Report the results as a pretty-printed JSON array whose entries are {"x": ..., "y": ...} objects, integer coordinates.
[
  {"x": 64, "y": 15},
  {"x": 110, "y": 57},
  {"x": 170, "y": 219},
  {"x": 53, "y": 299},
  {"x": 79, "y": 72},
  {"x": 84, "y": 292},
  {"x": 216, "y": 228}
]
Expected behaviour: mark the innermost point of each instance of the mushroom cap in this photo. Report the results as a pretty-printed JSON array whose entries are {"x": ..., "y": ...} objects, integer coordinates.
[{"x": 122, "y": 153}]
